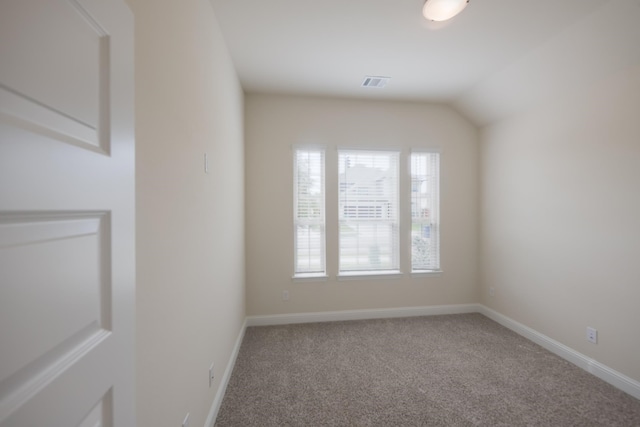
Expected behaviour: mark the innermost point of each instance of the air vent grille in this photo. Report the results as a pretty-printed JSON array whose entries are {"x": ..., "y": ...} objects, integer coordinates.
[{"x": 375, "y": 81}]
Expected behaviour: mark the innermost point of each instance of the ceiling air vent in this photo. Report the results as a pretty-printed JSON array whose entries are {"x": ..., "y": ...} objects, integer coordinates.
[{"x": 375, "y": 81}]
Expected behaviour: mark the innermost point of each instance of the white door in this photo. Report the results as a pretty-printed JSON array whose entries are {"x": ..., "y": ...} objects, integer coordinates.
[{"x": 66, "y": 214}]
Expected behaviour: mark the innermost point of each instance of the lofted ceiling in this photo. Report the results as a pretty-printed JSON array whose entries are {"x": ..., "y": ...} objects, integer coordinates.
[{"x": 327, "y": 47}]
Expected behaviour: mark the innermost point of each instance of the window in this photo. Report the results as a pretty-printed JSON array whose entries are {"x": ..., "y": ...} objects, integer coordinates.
[
  {"x": 309, "y": 218},
  {"x": 368, "y": 211},
  {"x": 425, "y": 211}
]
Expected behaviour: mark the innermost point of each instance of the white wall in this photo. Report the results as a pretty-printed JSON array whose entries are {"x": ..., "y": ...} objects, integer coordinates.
[
  {"x": 275, "y": 123},
  {"x": 560, "y": 200},
  {"x": 190, "y": 238}
]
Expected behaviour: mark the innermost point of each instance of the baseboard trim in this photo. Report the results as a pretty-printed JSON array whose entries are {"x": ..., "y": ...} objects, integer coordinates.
[
  {"x": 381, "y": 313},
  {"x": 613, "y": 377},
  {"x": 217, "y": 400}
]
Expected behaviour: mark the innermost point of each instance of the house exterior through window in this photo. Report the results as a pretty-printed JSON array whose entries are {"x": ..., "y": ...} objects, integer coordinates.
[{"x": 368, "y": 211}]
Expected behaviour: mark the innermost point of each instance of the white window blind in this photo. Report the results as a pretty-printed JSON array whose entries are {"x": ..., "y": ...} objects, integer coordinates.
[
  {"x": 368, "y": 211},
  {"x": 425, "y": 211},
  {"x": 309, "y": 218}
]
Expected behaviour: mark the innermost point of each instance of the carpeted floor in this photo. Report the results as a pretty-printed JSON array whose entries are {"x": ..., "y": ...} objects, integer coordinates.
[{"x": 457, "y": 370}]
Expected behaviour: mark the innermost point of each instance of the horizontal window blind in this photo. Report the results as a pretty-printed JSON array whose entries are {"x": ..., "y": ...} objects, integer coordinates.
[
  {"x": 425, "y": 211},
  {"x": 309, "y": 212},
  {"x": 368, "y": 211}
]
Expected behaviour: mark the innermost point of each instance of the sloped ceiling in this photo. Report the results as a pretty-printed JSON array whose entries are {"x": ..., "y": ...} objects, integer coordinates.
[
  {"x": 599, "y": 45},
  {"x": 491, "y": 60}
]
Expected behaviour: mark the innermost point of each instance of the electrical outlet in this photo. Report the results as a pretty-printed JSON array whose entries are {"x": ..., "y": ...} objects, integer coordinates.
[
  {"x": 592, "y": 335},
  {"x": 285, "y": 295},
  {"x": 211, "y": 375},
  {"x": 492, "y": 291},
  {"x": 185, "y": 423}
]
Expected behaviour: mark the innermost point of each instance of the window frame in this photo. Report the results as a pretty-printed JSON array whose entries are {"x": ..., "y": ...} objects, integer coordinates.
[
  {"x": 396, "y": 225},
  {"x": 311, "y": 275},
  {"x": 435, "y": 224}
]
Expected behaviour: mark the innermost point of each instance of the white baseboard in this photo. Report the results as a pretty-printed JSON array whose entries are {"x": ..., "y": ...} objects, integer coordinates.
[
  {"x": 613, "y": 377},
  {"x": 381, "y": 313},
  {"x": 217, "y": 400}
]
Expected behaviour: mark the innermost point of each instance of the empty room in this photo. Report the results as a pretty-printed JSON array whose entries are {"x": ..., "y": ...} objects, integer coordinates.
[{"x": 296, "y": 213}]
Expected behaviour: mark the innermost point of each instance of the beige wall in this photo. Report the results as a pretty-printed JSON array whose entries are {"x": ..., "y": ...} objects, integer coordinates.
[
  {"x": 560, "y": 210},
  {"x": 275, "y": 123},
  {"x": 560, "y": 201},
  {"x": 603, "y": 42},
  {"x": 190, "y": 238}
]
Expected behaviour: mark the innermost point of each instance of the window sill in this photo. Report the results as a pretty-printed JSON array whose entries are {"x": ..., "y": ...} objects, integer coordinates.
[
  {"x": 310, "y": 278},
  {"x": 368, "y": 275},
  {"x": 424, "y": 273}
]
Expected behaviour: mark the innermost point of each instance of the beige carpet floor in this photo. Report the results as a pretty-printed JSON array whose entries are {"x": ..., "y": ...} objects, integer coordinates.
[{"x": 457, "y": 370}]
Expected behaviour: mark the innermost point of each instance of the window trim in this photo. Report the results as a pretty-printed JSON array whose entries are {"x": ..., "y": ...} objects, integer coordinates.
[
  {"x": 310, "y": 276},
  {"x": 425, "y": 272},
  {"x": 367, "y": 275},
  {"x": 421, "y": 273},
  {"x": 396, "y": 270},
  {"x": 331, "y": 220}
]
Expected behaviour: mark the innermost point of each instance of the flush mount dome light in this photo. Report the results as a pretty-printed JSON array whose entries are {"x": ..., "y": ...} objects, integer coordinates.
[{"x": 441, "y": 10}]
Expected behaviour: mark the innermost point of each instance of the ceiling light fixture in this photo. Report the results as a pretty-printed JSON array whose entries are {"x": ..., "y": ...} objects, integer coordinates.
[{"x": 441, "y": 10}]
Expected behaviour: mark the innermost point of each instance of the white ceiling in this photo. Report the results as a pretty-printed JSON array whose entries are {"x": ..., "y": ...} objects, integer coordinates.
[{"x": 327, "y": 47}]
